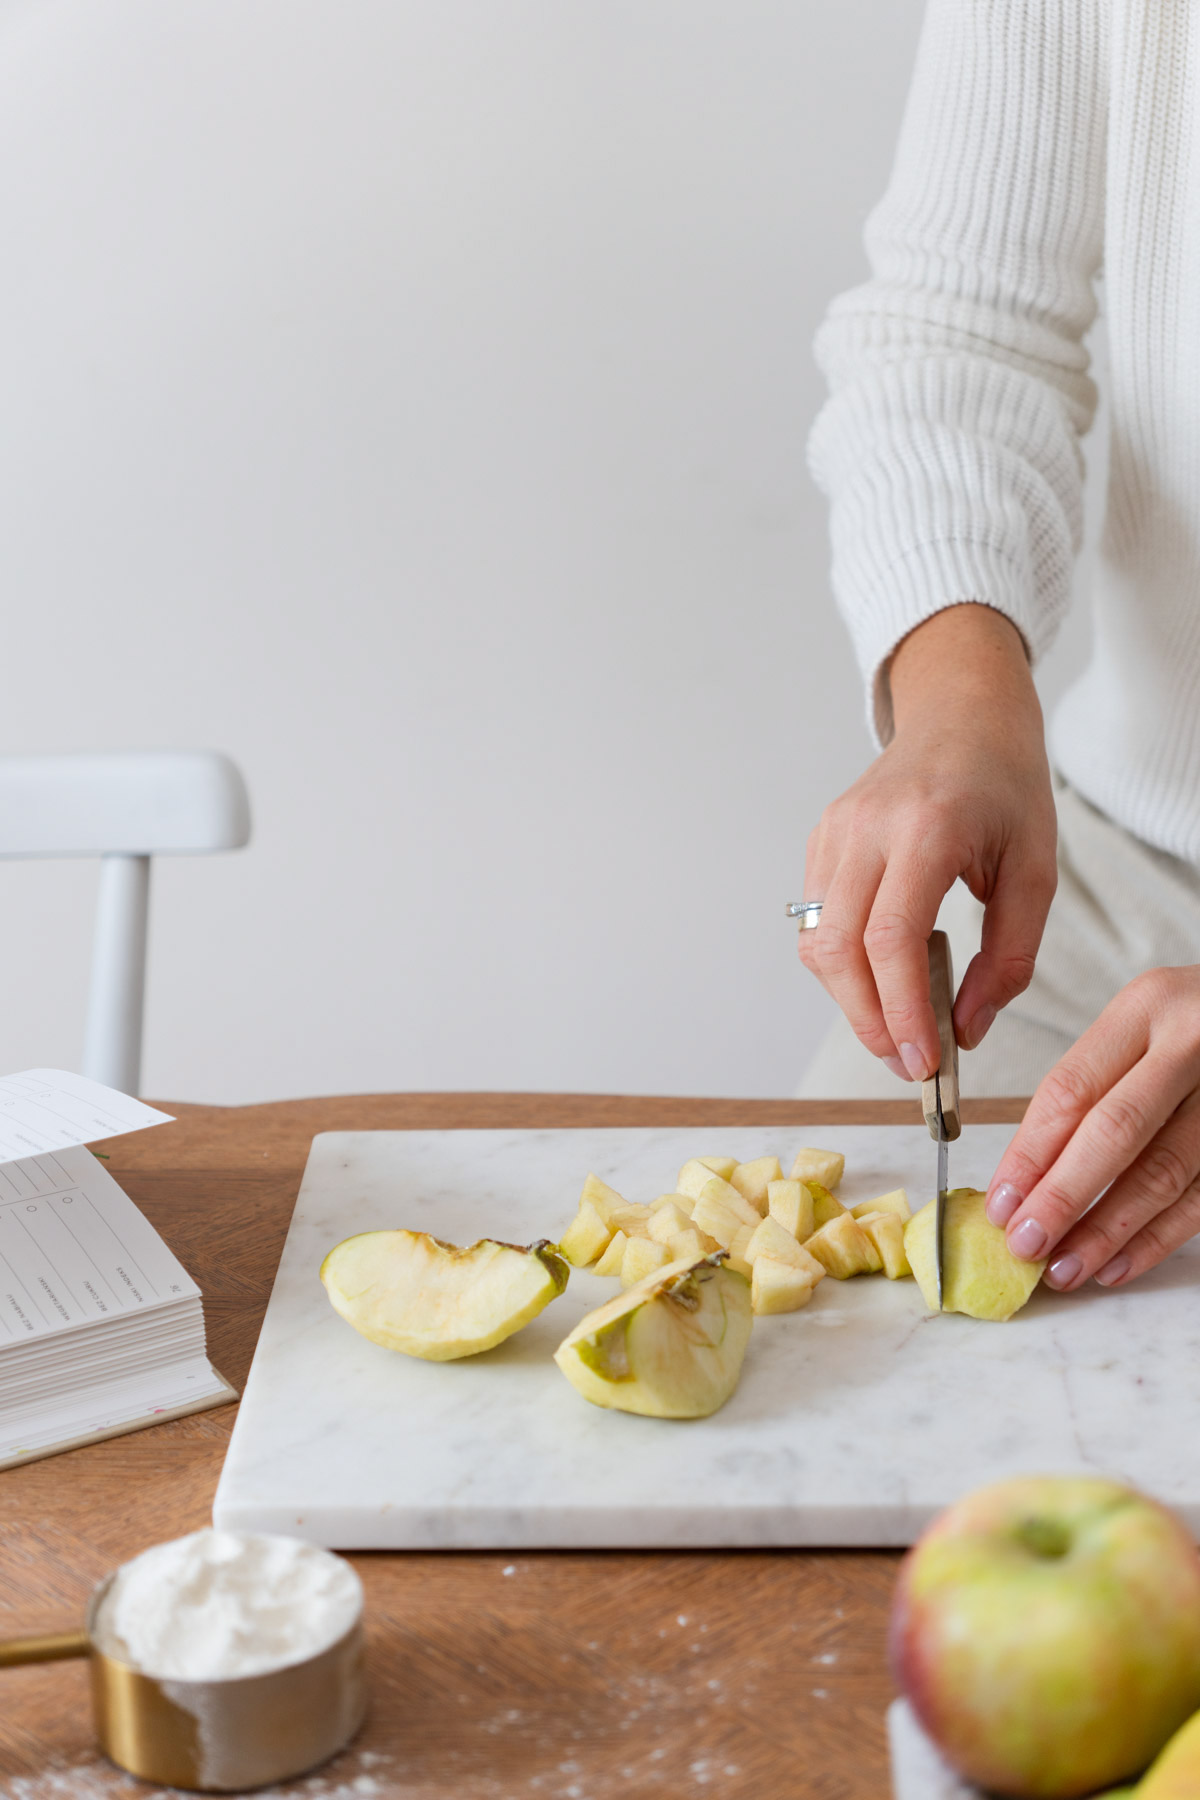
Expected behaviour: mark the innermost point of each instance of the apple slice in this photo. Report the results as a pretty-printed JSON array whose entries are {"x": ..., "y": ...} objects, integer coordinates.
[
  {"x": 844, "y": 1249},
  {"x": 752, "y": 1179},
  {"x": 642, "y": 1257},
  {"x": 411, "y": 1292},
  {"x": 980, "y": 1275},
  {"x": 780, "y": 1287},
  {"x": 667, "y": 1221},
  {"x": 790, "y": 1204},
  {"x": 670, "y": 1348},
  {"x": 895, "y": 1202},
  {"x": 886, "y": 1233},
  {"x": 824, "y": 1166},
  {"x": 614, "y": 1256},
  {"x": 586, "y": 1237}
]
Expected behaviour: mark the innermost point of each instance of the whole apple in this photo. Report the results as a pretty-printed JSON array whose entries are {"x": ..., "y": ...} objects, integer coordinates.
[{"x": 1046, "y": 1632}]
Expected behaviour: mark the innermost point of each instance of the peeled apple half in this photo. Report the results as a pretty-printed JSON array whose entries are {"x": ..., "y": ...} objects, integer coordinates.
[
  {"x": 411, "y": 1292},
  {"x": 980, "y": 1274},
  {"x": 669, "y": 1348}
]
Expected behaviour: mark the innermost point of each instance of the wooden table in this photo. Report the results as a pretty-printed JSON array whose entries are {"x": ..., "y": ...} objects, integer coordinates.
[{"x": 556, "y": 1676}]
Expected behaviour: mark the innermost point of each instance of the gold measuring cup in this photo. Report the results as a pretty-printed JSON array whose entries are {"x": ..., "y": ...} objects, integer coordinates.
[{"x": 217, "y": 1736}]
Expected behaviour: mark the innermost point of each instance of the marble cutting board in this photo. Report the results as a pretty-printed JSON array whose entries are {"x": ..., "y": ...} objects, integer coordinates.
[{"x": 856, "y": 1419}]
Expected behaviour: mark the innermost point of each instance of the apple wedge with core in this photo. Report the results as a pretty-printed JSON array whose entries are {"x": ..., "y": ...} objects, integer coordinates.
[
  {"x": 669, "y": 1348},
  {"x": 411, "y": 1292},
  {"x": 980, "y": 1275}
]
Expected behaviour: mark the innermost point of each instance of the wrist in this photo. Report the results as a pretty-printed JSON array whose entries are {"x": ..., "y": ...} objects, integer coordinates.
[{"x": 968, "y": 658}]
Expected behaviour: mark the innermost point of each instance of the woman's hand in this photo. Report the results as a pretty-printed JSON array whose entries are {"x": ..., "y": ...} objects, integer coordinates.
[
  {"x": 963, "y": 789},
  {"x": 1122, "y": 1107}
]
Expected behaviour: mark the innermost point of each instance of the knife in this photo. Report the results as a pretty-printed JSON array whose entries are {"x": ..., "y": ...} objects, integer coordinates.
[{"x": 939, "y": 1095}]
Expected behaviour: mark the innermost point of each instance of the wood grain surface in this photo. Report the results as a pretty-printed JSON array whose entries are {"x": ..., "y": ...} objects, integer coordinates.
[{"x": 559, "y": 1676}]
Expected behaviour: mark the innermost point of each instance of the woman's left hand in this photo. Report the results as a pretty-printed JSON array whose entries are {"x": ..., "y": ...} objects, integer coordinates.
[{"x": 1121, "y": 1112}]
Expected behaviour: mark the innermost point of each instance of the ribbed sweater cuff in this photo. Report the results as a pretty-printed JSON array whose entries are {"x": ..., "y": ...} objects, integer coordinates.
[{"x": 926, "y": 580}]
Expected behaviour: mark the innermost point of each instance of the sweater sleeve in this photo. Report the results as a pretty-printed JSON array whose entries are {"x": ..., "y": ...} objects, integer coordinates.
[{"x": 950, "y": 445}]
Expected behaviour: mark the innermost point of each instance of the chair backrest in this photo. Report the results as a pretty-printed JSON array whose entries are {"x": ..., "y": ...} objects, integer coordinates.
[{"x": 125, "y": 807}]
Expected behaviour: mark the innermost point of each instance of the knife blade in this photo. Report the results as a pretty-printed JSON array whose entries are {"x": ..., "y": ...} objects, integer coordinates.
[{"x": 939, "y": 1095}]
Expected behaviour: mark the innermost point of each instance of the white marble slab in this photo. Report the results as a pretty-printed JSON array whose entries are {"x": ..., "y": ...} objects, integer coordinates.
[{"x": 856, "y": 1420}]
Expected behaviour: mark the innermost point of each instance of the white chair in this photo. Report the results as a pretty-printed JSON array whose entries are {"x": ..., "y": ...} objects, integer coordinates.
[{"x": 123, "y": 807}]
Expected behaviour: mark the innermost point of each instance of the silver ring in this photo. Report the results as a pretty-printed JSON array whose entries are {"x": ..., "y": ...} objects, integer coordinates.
[{"x": 807, "y": 913}]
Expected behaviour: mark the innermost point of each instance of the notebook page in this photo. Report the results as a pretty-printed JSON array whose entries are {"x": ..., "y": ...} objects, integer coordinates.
[
  {"x": 49, "y": 1109},
  {"x": 75, "y": 1249}
]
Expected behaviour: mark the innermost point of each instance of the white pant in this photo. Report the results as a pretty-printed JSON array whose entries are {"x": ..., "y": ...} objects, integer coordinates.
[{"x": 1120, "y": 908}]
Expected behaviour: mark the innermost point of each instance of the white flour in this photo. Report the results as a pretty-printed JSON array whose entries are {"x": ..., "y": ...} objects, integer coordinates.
[{"x": 220, "y": 1603}]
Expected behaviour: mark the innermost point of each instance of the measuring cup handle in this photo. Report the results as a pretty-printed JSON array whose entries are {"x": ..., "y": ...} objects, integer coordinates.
[{"x": 44, "y": 1649}]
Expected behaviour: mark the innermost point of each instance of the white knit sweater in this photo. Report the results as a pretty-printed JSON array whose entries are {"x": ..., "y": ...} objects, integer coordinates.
[{"x": 1040, "y": 136}]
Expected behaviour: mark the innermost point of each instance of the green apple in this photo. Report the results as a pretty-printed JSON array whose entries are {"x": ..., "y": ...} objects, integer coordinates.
[
  {"x": 1046, "y": 1632},
  {"x": 980, "y": 1275},
  {"x": 411, "y": 1292},
  {"x": 671, "y": 1347}
]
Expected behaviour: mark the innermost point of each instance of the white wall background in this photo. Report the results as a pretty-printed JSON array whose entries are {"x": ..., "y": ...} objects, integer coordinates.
[{"x": 409, "y": 398}]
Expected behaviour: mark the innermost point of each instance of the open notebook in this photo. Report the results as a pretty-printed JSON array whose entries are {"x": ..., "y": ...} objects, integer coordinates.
[{"x": 101, "y": 1328}]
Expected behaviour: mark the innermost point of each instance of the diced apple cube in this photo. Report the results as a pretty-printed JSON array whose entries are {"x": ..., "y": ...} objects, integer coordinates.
[
  {"x": 699, "y": 1170},
  {"x": 825, "y": 1207},
  {"x": 737, "y": 1250},
  {"x": 666, "y": 1222},
  {"x": 895, "y": 1202},
  {"x": 606, "y": 1200},
  {"x": 825, "y": 1166},
  {"x": 721, "y": 1211},
  {"x": 716, "y": 1165},
  {"x": 886, "y": 1232},
  {"x": 790, "y": 1204},
  {"x": 614, "y": 1256},
  {"x": 642, "y": 1257},
  {"x": 751, "y": 1179},
  {"x": 586, "y": 1237},
  {"x": 684, "y": 1202},
  {"x": 844, "y": 1248},
  {"x": 771, "y": 1239},
  {"x": 779, "y": 1287},
  {"x": 632, "y": 1219},
  {"x": 690, "y": 1245}
]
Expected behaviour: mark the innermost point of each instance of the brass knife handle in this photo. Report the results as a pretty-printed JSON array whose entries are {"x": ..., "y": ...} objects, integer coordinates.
[
  {"x": 44, "y": 1649},
  {"x": 941, "y": 994}
]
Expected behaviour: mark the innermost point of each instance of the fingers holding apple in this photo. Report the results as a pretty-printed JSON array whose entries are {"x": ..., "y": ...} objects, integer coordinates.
[{"x": 1120, "y": 1112}]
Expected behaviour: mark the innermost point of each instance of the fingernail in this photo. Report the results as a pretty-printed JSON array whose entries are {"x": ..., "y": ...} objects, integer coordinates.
[
  {"x": 1003, "y": 1203},
  {"x": 914, "y": 1062},
  {"x": 896, "y": 1066},
  {"x": 1114, "y": 1271},
  {"x": 980, "y": 1025},
  {"x": 1028, "y": 1240},
  {"x": 1063, "y": 1271}
]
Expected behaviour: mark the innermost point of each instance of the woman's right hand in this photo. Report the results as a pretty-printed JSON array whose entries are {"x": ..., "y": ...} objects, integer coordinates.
[{"x": 963, "y": 790}]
